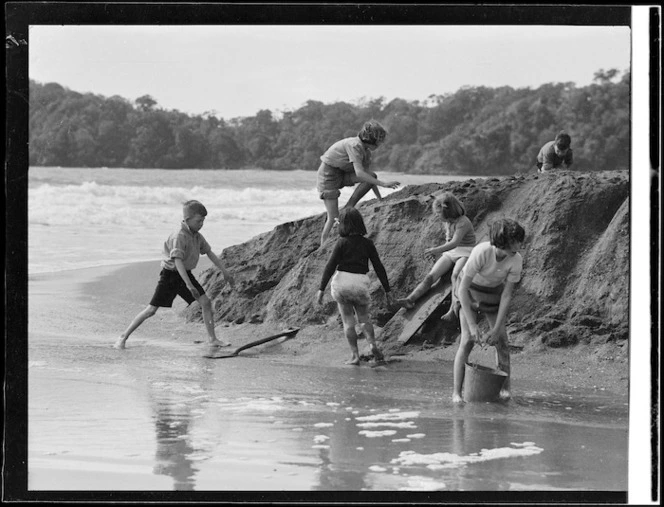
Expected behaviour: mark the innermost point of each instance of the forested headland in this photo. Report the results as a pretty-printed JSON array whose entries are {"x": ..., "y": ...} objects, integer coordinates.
[{"x": 474, "y": 131}]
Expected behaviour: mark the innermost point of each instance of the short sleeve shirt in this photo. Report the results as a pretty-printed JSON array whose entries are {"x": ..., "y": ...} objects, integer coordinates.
[
  {"x": 548, "y": 158},
  {"x": 464, "y": 226},
  {"x": 186, "y": 245},
  {"x": 487, "y": 271},
  {"x": 346, "y": 153}
]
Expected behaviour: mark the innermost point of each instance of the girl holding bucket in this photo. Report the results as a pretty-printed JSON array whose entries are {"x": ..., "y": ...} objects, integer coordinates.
[
  {"x": 486, "y": 287},
  {"x": 350, "y": 283}
]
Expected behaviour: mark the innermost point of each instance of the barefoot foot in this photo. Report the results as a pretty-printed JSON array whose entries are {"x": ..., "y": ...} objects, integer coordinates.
[
  {"x": 504, "y": 394},
  {"x": 450, "y": 317},
  {"x": 354, "y": 361},
  {"x": 456, "y": 398},
  {"x": 120, "y": 344},
  {"x": 378, "y": 355},
  {"x": 219, "y": 343}
]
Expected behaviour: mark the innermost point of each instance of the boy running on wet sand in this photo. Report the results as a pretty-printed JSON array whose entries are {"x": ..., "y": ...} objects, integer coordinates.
[
  {"x": 181, "y": 253},
  {"x": 350, "y": 283},
  {"x": 486, "y": 287}
]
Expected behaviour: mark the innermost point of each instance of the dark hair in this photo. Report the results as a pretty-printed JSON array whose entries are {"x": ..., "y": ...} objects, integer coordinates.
[
  {"x": 191, "y": 208},
  {"x": 450, "y": 206},
  {"x": 505, "y": 231},
  {"x": 563, "y": 140},
  {"x": 372, "y": 132},
  {"x": 351, "y": 223}
]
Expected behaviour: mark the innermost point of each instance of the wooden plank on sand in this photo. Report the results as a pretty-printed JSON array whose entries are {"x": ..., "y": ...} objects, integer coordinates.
[{"x": 406, "y": 322}]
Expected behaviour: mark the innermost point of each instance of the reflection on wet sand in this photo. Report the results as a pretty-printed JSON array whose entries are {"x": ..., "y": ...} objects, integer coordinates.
[
  {"x": 173, "y": 447},
  {"x": 175, "y": 402},
  {"x": 248, "y": 425},
  {"x": 331, "y": 477}
]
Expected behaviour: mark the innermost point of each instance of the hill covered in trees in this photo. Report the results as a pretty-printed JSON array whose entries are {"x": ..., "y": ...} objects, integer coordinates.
[{"x": 474, "y": 131}]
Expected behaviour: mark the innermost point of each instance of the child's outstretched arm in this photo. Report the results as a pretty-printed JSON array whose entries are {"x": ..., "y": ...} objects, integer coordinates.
[
  {"x": 227, "y": 276},
  {"x": 505, "y": 300},
  {"x": 466, "y": 307},
  {"x": 179, "y": 265},
  {"x": 376, "y": 192},
  {"x": 366, "y": 177},
  {"x": 381, "y": 273},
  {"x": 328, "y": 271}
]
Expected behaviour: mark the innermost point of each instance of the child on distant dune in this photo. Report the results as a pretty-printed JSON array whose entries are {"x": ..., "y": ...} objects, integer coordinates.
[
  {"x": 350, "y": 283},
  {"x": 181, "y": 253},
  {"x": 486, "y": 287},
  {"x": 555, "y": 154},
  {"x": 460, "y": 240},
  {"x": 345, "y": 164}
]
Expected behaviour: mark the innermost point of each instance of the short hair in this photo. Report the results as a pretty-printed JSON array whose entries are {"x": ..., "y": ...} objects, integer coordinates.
[
  {"x": 351, "y": 223},
  {"x": 505, "y": 231},
  {"x": 563, "y": 140},
  {"x": 191, "y": 208},
  {"x": 372, "y": 132},
  {"x": 449, "y": 206}
]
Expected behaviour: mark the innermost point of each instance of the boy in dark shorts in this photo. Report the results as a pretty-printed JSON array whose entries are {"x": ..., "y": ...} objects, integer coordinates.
[{"x": 181, "y": 252}]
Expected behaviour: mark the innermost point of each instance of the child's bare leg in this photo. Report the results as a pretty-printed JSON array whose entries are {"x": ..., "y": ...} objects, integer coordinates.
[
  {"x": 465, "y": 346},
  {"x": 208, "y": 319},
  {"x": 360, "y": 191},
  {"x": 148, "y": 312},
  {"x": 419, "y": 291},
  {"x": 442, "y": 266},
  {"x": 454, "y": 303},
  {"x": 502, "y": 356},
  {"x": 367, "y": 327},
  {"x": 348, "y": 318},
  {"x": 332, "y": 208}
]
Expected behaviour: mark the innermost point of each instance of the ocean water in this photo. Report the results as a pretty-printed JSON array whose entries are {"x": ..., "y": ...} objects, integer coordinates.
[{"x": 80, "y": 217}]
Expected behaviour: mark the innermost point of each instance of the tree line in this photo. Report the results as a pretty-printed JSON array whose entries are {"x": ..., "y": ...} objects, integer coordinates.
[{"x": 474, "y": 131}]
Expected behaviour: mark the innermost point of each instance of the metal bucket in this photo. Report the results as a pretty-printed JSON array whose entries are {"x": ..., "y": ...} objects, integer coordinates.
[{"x": 481, "y": 383}]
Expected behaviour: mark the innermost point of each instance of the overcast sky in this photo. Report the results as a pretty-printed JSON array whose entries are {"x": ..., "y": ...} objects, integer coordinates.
[{"x": 238, "y": 70}]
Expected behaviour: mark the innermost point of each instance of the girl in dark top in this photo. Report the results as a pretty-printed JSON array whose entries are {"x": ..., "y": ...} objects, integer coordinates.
[{"x": 350, "y": 285}]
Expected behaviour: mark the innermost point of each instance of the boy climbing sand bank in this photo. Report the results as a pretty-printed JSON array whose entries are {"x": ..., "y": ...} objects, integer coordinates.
[
  {"x": 181, "y": 252},
  {"x": 350, "y": 283}
]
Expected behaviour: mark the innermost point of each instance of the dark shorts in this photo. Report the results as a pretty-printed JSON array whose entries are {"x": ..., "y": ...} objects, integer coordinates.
[
  {"x": 484, "y": 299},
  {"x": 330, "y": 179},
  {"x": 171, "y": 284}
]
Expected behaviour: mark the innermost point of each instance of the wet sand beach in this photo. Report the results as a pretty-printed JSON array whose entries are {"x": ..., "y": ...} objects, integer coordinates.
[{"x": 287, "y": 415}]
